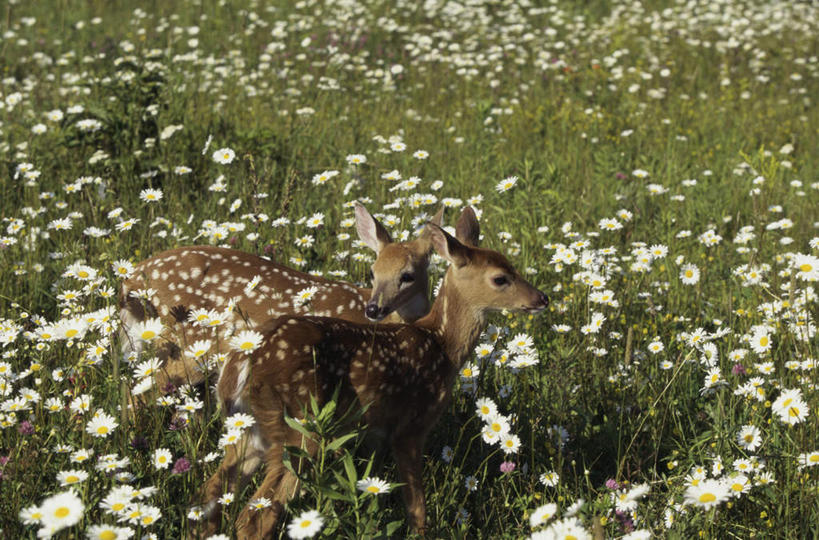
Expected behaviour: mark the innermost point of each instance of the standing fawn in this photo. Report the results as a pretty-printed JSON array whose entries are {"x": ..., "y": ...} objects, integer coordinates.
[
  {"x": 197, "y": 279},
  {"x": 404, "y": 373}
]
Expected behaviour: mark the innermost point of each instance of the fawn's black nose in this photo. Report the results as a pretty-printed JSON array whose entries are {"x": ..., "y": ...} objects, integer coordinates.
[
  {"x": 371, "y": 311},
  {"x": 544, "y": 299}
]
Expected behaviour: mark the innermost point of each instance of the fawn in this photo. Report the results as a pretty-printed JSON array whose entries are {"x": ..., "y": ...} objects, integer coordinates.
[
  {"x": 403, "y": 372},
  {"x": 204, "y": 277}
]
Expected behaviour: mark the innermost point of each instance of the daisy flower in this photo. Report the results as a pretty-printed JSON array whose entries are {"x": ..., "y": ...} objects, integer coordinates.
[
  {"x": 198, "y": 349},
  {"x": 790, "y": 407},
  {"x": 566, "y": 528},
  {"x": 101, "y": 425},
  {"x": 738, "y": 484},
  {"x": 509, "y": 443},
  {"x": 71, "y": 477},
  {"x": 542, "y": 514},
  {"x": 231, "y": 437},
  {"x": 610, "y": 224},
  {"x": 108, "y": 532},
  {"x": 549, "y": 478},
  {"x": 707, "y": 494},
  {"x": 506, "y": 184},
  {"x": 246, "y": 341},
  {"x": 61, "y": 511},
  {"x": 304, "y": 296},
  {"x": 150, "y": 195},
  {"x": 806, "y": 266},
  {"x": 147, "y": 330},
  {"x": 689, "y": 274},
  {"x": 373, "y": 485},
  {"x": 356, "y": 159},
  {"x": 469, "y": 371},
  {"x": 498, "y": 424},
  {"x": 223, "y": 156},
  {"x": 749, "y": 438},
  {"x": 239, "y": 421},
  {"x": 162, "y": 458},
  {"x": 305, "y": 525},
  {"x": 316, "y": 220},
  {"x": 808, "y": 459},
  {"x": 485, "y": 408},
  {"x": 323, "y": 178},
  {"x": 471, "y": 483},
  {"x": 761, "y": 340}
]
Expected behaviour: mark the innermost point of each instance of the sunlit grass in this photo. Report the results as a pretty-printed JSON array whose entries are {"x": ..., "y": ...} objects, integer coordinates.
[{"x": 632, "y": 131}]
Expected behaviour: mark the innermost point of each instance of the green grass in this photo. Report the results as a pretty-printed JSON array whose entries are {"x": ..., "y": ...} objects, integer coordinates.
[{"x": 572, "y": 99}]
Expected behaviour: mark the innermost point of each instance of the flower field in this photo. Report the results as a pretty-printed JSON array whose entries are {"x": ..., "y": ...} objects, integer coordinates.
[{"x": 652, "y": 166}]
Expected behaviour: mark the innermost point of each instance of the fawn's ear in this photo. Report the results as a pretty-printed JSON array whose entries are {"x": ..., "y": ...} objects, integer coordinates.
[
  {"x": 467, "y": 230},
  {"x": 438, "y": 218},
  {"x": 448, "y": 246},
  {"x": 424, "y": 240},
  {"x": 370, "y": 230}
]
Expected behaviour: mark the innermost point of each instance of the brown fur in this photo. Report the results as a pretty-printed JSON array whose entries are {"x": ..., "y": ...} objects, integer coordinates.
[
  {"x": 207, "y": 277},
  {"x": 403, "y": 373}
]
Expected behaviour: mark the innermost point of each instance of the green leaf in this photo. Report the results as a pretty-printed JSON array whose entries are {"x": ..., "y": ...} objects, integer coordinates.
[{"x": 339, "y": 442}]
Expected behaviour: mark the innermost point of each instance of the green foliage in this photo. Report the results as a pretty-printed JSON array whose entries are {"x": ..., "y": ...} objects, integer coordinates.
[{"x": 714, "y": 103}]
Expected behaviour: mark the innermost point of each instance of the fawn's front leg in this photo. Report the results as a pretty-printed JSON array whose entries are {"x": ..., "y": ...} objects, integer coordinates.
[{"x": 407, "y": 451}]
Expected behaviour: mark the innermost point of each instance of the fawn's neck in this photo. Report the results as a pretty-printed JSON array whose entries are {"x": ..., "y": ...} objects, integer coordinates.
[{"x": 455, "y": 323}]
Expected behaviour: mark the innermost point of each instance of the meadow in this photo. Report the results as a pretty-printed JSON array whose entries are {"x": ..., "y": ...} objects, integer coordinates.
[{"x": 651, "y": 165}]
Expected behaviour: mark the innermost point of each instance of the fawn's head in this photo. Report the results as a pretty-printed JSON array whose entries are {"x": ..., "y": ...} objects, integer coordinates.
[
  {"x": 399, "y": 274},
  {"x": 484, "y": 278}
]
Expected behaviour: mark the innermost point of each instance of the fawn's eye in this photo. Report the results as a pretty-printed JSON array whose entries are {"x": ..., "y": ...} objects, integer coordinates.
[
  {"x": 406, "y": 277},
  {"x": 500, "y": 281}
]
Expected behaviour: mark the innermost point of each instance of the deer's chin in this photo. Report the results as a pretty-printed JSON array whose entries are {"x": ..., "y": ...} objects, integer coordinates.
[
  {"x": 533, "y": 310},
  {"x": 381, "y": 316}
]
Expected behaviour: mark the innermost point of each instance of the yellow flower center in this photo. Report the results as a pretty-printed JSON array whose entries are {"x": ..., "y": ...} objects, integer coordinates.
[
  {"x": 61, "y": 512},
  {"x": 763, "y": 341},
  {"x": 71, "y": 332},
  {"x": 246, "y": 346},
  {"x": 116, "y": 507},
  {"x": 305, "y": 523},
  {"x": 707, "y": 498},
  {"x": 805, "y": 268},
  {"x": 148, "y": 334},
  {"x": 373, "y": 489},
  {"x": 72, "y": 479},
  {"x": 814, "y": 458},
  {"x": 108, "y": 535},
  {"x": 102, "y": 430}
]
